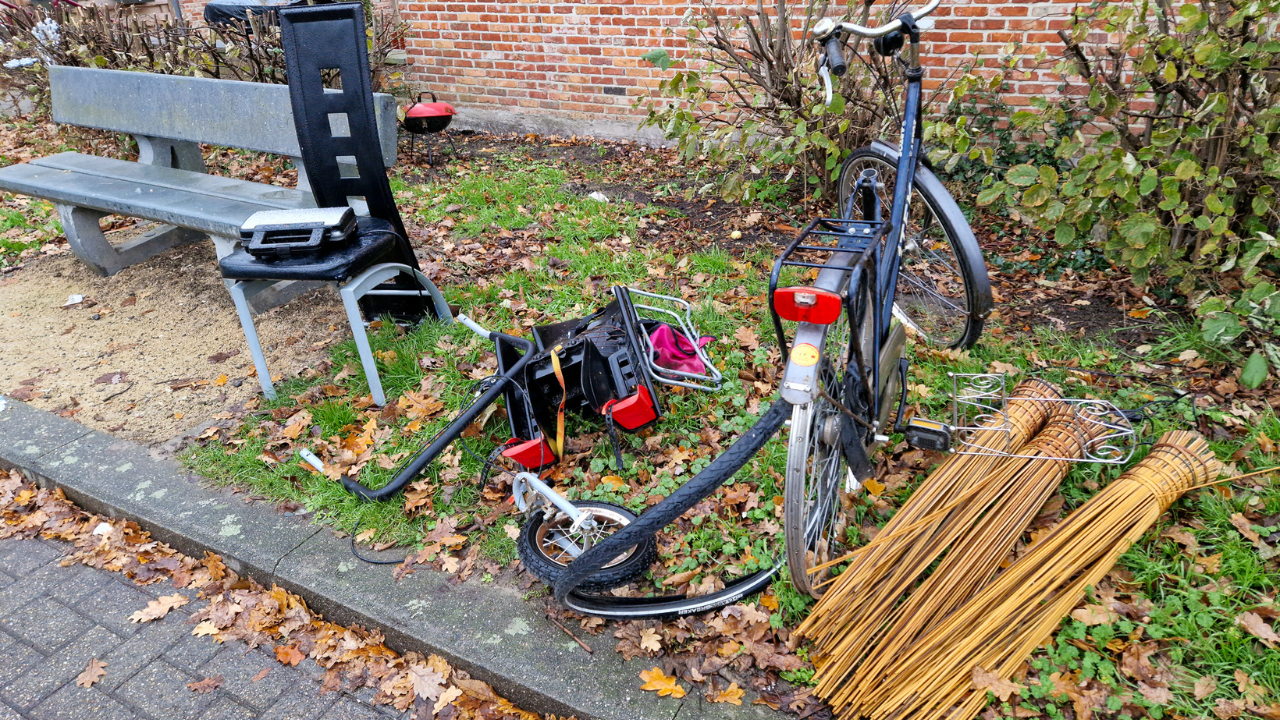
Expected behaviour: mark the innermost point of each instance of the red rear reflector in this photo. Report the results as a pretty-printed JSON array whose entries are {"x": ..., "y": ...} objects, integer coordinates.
[
  {"x": 806, "y": 304},
  {"x": 532, "y": 454},
  {"x": 635, "y": 411}
]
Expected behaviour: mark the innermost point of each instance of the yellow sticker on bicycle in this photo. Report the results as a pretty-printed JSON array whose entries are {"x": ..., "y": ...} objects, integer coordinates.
[{"x": 804, "y": 355}]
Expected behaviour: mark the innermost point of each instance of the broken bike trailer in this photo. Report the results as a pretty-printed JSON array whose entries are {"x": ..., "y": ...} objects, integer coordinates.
[{"x": 609, "y": 364}]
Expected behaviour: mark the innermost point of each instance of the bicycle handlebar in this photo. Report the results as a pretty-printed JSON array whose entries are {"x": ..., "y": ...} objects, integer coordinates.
[
  {"x": 835, "y": 56},
  {"x": 889, "y": 27}
]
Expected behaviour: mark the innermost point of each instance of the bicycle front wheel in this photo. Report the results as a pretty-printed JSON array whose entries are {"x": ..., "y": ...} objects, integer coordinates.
[{"x": 943, "y": 292}]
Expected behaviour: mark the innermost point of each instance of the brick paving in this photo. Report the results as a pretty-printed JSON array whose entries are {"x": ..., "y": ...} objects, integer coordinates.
[{"x": 54, "y": 620}]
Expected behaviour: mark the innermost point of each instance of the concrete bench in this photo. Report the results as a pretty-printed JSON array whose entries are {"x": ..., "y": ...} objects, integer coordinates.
[{"x": 169, "y": 116}]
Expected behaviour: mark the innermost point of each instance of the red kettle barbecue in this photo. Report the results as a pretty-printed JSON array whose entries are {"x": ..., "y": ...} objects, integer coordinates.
[{"x": 427, "y": 117}]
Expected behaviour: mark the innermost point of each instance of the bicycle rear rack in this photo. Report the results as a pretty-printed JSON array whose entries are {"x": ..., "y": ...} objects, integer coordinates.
[{"x": 848, "y": 236}]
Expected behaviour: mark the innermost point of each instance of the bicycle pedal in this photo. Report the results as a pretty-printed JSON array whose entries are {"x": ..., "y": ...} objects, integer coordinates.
[{"x": 928, "y": 435}]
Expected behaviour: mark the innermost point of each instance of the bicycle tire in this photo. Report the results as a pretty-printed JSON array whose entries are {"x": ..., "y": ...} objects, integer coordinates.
[
  {"x": 668, "y": 606},
  {"x": 972, "y": 268},
  {"x": 548, "y": 570},
  {"x": 677, "y": 503}
]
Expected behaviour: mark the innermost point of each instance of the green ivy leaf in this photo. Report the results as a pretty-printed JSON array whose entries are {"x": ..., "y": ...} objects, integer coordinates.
[
  {"x": 659, "y": 58},
  {"x": 1022, "y": 175},
  {"x": 1254, "y": 372},
  {"x": 1221, "y": 328},
  {"x": 1214, "y": 204}
]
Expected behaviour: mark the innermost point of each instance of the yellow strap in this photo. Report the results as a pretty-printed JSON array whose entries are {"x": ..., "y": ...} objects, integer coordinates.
[{"x": 558, "y": 446}]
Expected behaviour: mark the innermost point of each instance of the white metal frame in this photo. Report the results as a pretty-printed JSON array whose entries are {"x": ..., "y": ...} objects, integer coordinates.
[
  {"x": 980, "y": 402},
  {"x": 366, "y": 283}
]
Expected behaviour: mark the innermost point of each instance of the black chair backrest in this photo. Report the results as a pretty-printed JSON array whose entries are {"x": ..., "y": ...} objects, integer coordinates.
[{"x": 336, "y": 130}]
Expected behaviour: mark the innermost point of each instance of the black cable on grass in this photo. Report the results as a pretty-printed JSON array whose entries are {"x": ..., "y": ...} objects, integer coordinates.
[{"x": 487, "y": 465}]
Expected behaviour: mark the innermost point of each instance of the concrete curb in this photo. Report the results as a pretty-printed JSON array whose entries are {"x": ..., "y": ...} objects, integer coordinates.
[{"x": 488, "y": 630}]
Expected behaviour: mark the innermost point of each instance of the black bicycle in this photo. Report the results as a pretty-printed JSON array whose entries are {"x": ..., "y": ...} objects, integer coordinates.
[{"x": 919, "y": 269}]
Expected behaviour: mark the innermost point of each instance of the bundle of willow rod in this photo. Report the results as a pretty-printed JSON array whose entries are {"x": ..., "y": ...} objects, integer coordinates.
[
  {"x": 881, "y": 571},
  {"x": 997, "y": 629},
  {"x": 977, "y": 538}
]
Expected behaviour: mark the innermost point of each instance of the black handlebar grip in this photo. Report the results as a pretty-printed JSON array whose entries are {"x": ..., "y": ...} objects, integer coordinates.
[{"x": 835, "y": 56}]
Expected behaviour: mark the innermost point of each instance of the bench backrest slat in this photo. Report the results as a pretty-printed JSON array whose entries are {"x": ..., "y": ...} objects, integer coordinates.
[{"x": 253, "y": 116}]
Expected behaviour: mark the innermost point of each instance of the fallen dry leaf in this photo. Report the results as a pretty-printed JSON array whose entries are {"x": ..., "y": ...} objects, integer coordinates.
[
  {"x": 1204, "y": 687},
  {"x": 747, "y": 338},
  {"x": 428, "y": 683},
  {"x": 91, "y": 674},
  {"x": 289, "y": 655},
  {"x": 157, "y": 609},
  {"x": 1245, "y": 527},
  {"x": 732, "y": 694},
  {"x": 1257, "y": 627},
  {"x": 206, "y": 685},
  {"x": 1094, "y": 615},
  {"x": 650, "y": 640},
  {"x": 1001, "y": 688},
  {"x": 447, "y": 697},
  {"x": 1005, "y": 368},
  {"x": 205, "y": 628},
  {"x": 660, "y": 682},
  {"x": 1227, "y": 709},
  {"x": 261, "y": 674}
]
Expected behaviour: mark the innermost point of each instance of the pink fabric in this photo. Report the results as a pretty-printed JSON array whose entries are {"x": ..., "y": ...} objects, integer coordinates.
[{"x": 675, "y": 351}]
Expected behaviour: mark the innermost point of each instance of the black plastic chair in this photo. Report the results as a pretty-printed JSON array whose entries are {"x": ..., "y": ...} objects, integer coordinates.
[{"x": 377, "y": 273}]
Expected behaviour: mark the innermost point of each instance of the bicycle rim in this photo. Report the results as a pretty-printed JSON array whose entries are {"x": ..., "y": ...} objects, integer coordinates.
[
  {"x": 932, "y": 296},
  {"x": 814, "y": 521}
]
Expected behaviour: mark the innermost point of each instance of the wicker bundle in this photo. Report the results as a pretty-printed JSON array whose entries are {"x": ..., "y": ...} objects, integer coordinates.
[
  {"x": 999, "y": 627},
  {"x": 976, "y": 538},
  {"x": 882, "y": 570}
]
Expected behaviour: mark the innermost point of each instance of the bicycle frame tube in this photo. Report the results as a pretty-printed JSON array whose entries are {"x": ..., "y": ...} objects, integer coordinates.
[{"x": 908, "y": 157}]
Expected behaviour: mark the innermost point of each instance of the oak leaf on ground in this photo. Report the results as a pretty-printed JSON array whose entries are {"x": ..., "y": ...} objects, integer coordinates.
[
  {"x": 206, "y": 685},
  {"x": 1257, "y": 627},
  {"x": 996, "y": 685},
  {"x": 92, "y": 674},
  {"x": 157, "y": 609},
  {"x": 289, "y": 655}
]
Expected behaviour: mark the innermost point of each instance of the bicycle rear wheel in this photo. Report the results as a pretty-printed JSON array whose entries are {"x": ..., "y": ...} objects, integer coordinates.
[
  {"x": 818, "y": 479},
  {"x": 943, "y": 292}
]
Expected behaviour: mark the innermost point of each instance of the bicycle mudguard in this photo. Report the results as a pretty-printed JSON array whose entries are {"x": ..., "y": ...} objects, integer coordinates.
[
  {"x": 968, "y": 243},
  {"x": 664, "y": 513}
]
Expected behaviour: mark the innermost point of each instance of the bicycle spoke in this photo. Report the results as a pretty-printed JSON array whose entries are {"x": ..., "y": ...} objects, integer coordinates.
[{"x": 911, "y": 278}]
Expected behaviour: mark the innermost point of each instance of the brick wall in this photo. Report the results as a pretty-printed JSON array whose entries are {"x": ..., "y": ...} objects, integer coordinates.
[{"x": 574, "y": 66}]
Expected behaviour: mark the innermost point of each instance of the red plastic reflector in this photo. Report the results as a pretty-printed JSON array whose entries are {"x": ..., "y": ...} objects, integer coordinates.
[
  {"x": 635, "y": 411},
  {"x": 532, "y": 454},
  {"x": 806, "y": 304}
]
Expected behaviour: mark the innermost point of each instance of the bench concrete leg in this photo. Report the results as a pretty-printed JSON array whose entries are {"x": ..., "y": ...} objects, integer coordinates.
[
  {"x": 90, "y": 244},
  {"x": 164, "y": 152}
]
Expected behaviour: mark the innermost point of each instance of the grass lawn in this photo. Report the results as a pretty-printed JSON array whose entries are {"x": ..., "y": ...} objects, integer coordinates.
[{"x": 516, "y": 243}]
